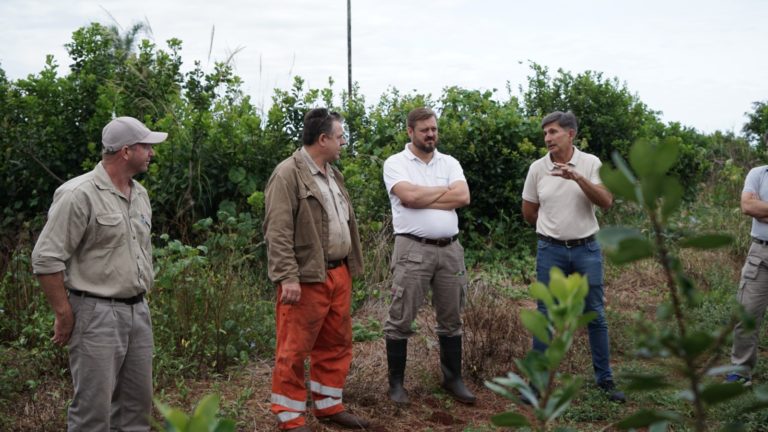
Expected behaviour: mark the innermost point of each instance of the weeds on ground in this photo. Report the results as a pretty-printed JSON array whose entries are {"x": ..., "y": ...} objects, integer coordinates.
[{"x": 211, "y": 304}]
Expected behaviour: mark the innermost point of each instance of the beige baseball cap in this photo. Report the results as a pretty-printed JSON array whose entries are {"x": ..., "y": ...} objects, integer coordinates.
[{"x": 127, "y": 131}]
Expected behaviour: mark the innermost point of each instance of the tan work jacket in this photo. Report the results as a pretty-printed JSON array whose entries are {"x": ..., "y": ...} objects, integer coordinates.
[{"x": 296, "y": 225}]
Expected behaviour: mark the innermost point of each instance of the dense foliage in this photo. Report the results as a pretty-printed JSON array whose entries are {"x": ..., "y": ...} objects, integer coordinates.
[{"x": 212, "y": 303}]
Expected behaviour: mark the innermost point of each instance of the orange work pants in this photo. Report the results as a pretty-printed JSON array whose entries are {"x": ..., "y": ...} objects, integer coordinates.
[{"x": 319, "y": 326}]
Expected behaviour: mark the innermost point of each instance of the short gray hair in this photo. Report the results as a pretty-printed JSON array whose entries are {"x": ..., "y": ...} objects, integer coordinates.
[{"x": 566, "y": 120}]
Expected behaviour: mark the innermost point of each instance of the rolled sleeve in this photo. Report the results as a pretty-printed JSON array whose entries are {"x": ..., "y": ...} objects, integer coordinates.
[{"x": 66, "y": 225}]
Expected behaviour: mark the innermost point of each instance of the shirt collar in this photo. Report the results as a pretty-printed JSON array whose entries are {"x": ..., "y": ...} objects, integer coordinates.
[
  {"x": 313, "y": 168},
  {"x": 436, "y": 155},
  {"x": 103, "y": 181},
  {"x": 575, "y": 159}
]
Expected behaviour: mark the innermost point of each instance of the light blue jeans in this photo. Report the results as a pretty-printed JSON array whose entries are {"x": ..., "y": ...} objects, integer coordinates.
[{"x": 587, "y": 260}]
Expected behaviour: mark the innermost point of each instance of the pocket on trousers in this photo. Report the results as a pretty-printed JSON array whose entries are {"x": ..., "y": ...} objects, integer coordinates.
[
  {"x": 396, "y": 309},
  {"x": 751, "y": 267}
]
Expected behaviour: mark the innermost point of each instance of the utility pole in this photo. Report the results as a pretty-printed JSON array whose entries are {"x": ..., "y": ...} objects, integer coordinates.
[{"x": 349, "y": 50}]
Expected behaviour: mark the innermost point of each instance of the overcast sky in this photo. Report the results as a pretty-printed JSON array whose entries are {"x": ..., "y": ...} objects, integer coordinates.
[{"x": 701, "y": 63}]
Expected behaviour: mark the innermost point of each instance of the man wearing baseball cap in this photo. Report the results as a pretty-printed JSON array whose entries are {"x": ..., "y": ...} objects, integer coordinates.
[{"x": 94, "y": 262}]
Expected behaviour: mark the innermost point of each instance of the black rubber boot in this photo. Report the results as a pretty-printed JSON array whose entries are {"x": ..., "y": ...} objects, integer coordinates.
[
  {"x": 397, "y": 352},
  {"x": 450, "y": 362}
]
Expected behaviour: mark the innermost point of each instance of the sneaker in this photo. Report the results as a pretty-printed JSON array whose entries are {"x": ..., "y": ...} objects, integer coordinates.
[
  {"x": 609, "y": 388},
  {"x": 736, "y": 378}
]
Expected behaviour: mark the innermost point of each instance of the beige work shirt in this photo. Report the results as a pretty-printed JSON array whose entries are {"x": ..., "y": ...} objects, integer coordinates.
[
  {"x": 565, "y": 212},
  {"x": 336, "y": 207},
  {"x": 98, "y": 237}
]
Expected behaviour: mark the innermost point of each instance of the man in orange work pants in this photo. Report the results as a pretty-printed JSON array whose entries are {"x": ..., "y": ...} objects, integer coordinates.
[{"x": 313, "y": 249}]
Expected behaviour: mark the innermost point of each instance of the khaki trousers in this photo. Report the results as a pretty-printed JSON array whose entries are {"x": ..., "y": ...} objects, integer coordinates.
[
  {"x": 753, "y": 296},
  {"x": 418, "y": 268},
  {"x": 110, "y": 357}
]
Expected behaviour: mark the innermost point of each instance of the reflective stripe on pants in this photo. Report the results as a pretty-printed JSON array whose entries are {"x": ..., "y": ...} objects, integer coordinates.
[{"x": 319, "y": 326}]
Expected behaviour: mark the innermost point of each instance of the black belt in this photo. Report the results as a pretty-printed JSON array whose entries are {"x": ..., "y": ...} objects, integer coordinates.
[
  {"x": 567, "y": 243},
  {"x": 129, "y": 301},
  {"x": 434, "y": 242},
  {"x": 760, "y": 242},
  {"x": 335, "y": 263}
]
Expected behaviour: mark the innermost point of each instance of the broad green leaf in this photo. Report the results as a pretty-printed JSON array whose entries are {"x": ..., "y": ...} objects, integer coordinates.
[
  {"x": 720, "y": 392},
  {"x": 661, "y": 426},
  {"x": 511, "y": 380},
  {"x": 671, "y": 195},
  {"x": 558, "y": 285},
  {"x": 199, "y": 424},
  {"x": 539, "y": 291},
  {"x": 618, "y": 183},
  {"x": 226, "y": 425},
  {"x": 555, "y": 352},
  {"x": 500, "y": 390},
  {"x": 208, "y": 407},
  {"x": 586, "y": 319},
  {"x": 708, "y": 241},
  {"x": 646, "y": 382},
  {"x": 631, "y": 249},
  {"x": 647, "y": 417},
  {"x": 653, "y": 189},
  {"x": 642, "y": 157},
  {"x": 536, "y": 323},
  {"x": 562, "y": 398},
  {"x": 510, "y": 419},
  {"x": 622, "y": 166},
  {"x": 177, "y": 418},
  {"x": 665, "y": 156},
  {"x": 534, "y": 366},
  {"x": 609, "y": 237}
]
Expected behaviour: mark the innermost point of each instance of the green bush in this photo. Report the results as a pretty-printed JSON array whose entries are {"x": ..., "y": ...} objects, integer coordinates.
[{"x": 211, "y": 304}]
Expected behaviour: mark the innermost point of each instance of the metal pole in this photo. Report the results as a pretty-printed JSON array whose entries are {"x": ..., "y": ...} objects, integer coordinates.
[{"x": 349, "y": 49}]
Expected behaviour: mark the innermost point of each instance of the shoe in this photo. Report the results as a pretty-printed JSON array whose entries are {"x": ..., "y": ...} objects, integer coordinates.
[
  {"x": 736, "y": 378},
  {"x": 346, "y": 420},
  {"x": 609, "y": 388}
]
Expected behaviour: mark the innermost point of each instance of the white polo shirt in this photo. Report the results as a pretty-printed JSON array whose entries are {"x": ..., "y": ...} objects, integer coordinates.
[
  {"x": 565, "y": 212},
  {"x": 442, "y": 170}
]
